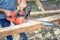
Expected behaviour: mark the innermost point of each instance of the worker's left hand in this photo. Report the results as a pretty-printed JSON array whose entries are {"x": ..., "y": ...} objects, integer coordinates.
[{"x": 22, "y": 20}]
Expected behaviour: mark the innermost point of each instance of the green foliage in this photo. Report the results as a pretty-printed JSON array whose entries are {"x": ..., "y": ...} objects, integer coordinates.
[{"x": 55, "y": 1}]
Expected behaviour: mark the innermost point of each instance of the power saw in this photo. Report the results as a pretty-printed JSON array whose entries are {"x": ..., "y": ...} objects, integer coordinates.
[{"x": 17, "y": 16}]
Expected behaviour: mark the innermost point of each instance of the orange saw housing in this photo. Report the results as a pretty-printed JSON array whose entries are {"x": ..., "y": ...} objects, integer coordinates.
[{"x": 17, "y": 20}]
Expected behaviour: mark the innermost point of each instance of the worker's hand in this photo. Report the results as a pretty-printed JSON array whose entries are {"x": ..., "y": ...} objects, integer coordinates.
[
  {"x": 21, "y": 7},
  {"x": 22, "y": 20},
  {"x": 7, "y": 13}
]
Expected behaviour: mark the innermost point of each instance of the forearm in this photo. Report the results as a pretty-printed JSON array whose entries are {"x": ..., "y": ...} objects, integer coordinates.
[
  {"x": 22, "y": 4},
  {"x": 21, "y": 1},
  {"x": 2, "y": 10},
  {"x": 6, "y": 12}
]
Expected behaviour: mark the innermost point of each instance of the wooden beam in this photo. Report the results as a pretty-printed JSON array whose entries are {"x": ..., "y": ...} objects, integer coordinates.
[
  {"x": 45, "y": 12},
  {"x": 55, "y": 19},
  {"x": 50, "y": 18},
  {"x": 24, "y": 27},
  {"x": 20, "y": 28},
  {"x": 39, "y": 5},
  {"x": 56, "y": 22}
]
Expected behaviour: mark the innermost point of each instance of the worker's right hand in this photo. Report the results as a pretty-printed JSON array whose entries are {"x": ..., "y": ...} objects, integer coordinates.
[
  {"x": 21, "y": 7},
  {"x": 8, "y": 12}
]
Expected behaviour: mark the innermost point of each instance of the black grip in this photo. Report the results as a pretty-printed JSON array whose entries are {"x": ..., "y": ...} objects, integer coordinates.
[
  {"x": 27, "y": 10},
  {"x": 17, "y": 14}
]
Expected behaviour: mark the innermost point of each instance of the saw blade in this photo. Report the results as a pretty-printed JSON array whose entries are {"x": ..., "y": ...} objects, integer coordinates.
[{"x": 45, "y": 23}]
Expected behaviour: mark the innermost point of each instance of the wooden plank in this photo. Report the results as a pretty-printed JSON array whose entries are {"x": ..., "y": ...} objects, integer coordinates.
[
  {"x": 39, "y": 5},
  {"x": 26, "y": 26},
  {"x": 45, "y": 12},
  {"x": 55, "y": 19},
  {"x": 51, "y": 18},
  {"x": 56, "y": 22},
  {"x": 19, "y": 28}
]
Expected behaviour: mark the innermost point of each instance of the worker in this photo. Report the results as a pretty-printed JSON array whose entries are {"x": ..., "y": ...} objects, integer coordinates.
[{"x": 7, "y": 6}]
